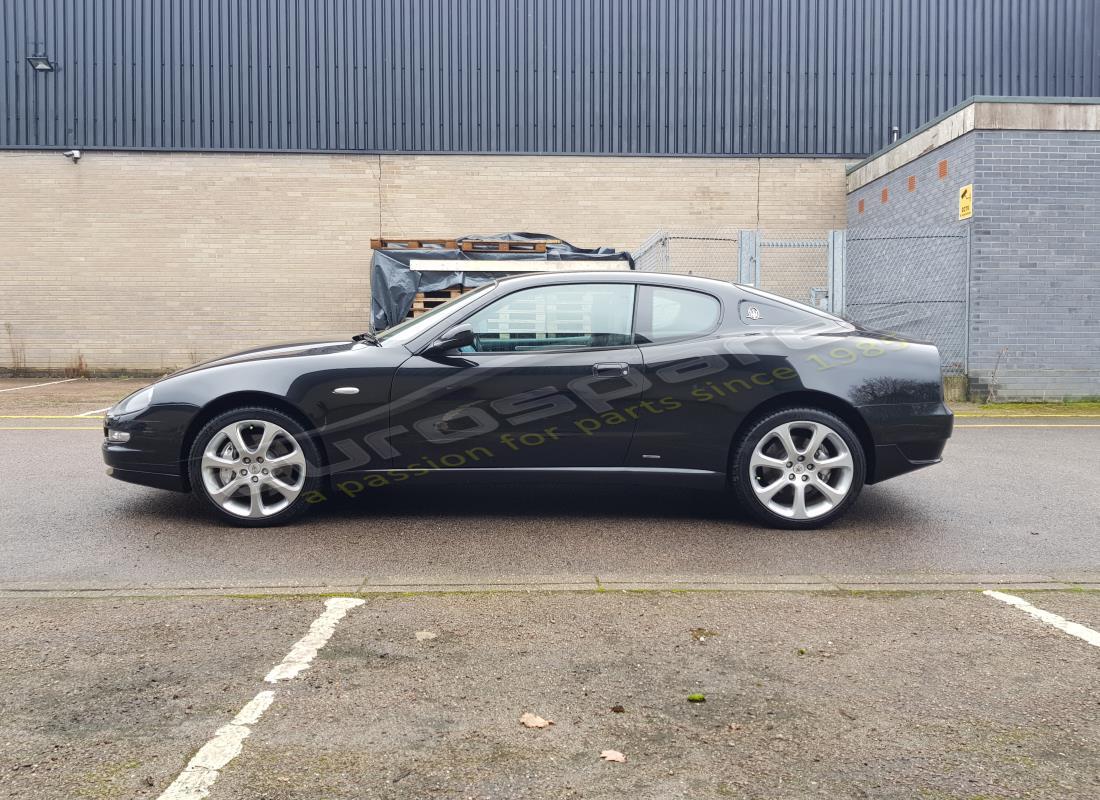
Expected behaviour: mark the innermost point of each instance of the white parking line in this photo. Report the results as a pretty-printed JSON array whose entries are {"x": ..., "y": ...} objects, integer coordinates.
[
  {"x": 319, "y": 633},
  {"x": 1061, "y": 623},
  {"x": 36, "y": 385},
  {"x": 96, "y": 411},
  {"x": 198, "y": 777}
]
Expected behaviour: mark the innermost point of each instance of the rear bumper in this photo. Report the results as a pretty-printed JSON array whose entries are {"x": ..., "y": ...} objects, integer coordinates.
[
  {"x": 892, "y": 460},
  {"x": 907, "y": 436}
]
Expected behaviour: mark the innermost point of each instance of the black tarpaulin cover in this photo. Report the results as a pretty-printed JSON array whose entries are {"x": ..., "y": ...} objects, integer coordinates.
[{"x": 394, "y": 282}]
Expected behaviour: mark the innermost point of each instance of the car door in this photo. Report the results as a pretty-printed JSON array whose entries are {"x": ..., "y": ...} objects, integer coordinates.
[
  {"x": 552, "y": 381},
  {"x": 689, "y": 427}
]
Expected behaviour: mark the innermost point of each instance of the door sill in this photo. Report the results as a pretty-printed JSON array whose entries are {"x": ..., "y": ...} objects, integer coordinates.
[{"x": 659, "y": 476}]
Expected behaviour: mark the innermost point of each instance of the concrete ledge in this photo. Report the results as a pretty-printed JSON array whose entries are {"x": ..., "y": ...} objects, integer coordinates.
[
  {"x": 778, "y": 583},
  {"x": 979, "y": 113}
]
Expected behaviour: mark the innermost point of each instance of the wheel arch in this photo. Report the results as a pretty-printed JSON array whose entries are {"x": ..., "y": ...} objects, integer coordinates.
[
  {"x": 228, "y": 402},
  {"x": 807, "y": 397}
]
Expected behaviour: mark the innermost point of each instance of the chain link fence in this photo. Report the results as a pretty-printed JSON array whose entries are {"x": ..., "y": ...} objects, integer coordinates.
[
  {"x": 908, "y": 281},
  {"x": 913, "y": 282},
  {"x": 790, "y": 265},
  {"x": 710, "y": 254}
]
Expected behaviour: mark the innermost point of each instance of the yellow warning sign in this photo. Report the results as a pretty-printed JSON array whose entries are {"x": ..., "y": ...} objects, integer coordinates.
[{"x": 966, "y": 201}]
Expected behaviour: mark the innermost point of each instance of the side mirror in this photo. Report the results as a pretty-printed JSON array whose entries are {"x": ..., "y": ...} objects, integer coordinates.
[{"x": 457, "y": 337}]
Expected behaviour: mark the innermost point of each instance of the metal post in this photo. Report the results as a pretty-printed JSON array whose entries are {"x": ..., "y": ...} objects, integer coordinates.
[
  {"x": 748, "y": 258},
  {"x": 966, "y": 316},
  {"x": 838, "y": 241}
]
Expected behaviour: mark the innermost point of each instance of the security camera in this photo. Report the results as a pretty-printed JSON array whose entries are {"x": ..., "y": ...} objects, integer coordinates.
[{"x": 72, "y": 155}]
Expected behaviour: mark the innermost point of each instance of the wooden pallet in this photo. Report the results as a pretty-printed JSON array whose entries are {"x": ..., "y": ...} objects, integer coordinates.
[
  {"x": 493, "y": 246},
  {"x": 426, "y": 301},
  {"x": 413, "y": 244}
]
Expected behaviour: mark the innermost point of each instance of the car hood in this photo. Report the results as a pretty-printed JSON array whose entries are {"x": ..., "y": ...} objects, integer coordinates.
[{"x": 271, "y": 352}]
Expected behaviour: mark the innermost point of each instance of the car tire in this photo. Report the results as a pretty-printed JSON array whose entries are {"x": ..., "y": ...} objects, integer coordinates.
[
  {"x": 771, "y": 468},
  {"x": 254, "y": 466}
]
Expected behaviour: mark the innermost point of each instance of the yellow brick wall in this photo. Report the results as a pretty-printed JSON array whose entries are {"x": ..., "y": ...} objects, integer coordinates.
[
  {"x": 154, "y": 260},
  {"x": 798, "y": 195}
]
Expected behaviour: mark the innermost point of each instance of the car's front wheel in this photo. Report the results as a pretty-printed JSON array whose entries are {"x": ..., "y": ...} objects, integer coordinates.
[
  {"x": 798, "y": 468},
  {"x": 254, "y": 466}
]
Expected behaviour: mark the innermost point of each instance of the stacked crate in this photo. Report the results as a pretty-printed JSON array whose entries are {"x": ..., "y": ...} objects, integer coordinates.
[{"x": 426, "y": 301}]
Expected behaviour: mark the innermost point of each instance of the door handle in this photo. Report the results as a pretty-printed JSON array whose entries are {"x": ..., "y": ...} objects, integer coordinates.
[
  {"x": 345, "y": 390},
  {"x": 609, "y": 368}
]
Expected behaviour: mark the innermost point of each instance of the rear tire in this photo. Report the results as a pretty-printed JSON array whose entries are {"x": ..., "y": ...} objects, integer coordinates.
[
  {"x": 254, "y": 466},
  {"x": 798, "y": 468}
]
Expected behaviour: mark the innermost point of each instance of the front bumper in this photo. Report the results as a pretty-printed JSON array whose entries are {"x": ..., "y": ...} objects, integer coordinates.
[
  {"x": 907, "y": 436},
  {"x": 157, "y": 480},
  {"x": 150, "y": 458}
]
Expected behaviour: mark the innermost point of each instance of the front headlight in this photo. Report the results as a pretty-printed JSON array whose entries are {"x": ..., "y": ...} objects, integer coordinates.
[{"x": 138, "y": 401}]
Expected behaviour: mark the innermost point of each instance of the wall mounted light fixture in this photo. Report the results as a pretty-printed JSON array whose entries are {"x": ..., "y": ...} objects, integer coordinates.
[{"x": 40, "y": 63}]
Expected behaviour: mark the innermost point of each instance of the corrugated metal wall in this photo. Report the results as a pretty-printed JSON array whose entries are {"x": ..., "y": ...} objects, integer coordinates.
[{"x": 777, "y": 77}]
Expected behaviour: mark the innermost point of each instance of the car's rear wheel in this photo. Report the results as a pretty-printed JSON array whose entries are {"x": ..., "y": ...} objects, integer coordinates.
[
  {"x": 798, "y": 468},
  {"x": 254, "y": 466}
]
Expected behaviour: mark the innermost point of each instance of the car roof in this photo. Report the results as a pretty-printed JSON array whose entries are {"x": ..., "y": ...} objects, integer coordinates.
[{"x": 618, "y": 276}]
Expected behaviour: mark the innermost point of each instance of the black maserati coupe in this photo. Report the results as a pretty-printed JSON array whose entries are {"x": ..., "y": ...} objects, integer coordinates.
[{"x": 594, "y": 376}]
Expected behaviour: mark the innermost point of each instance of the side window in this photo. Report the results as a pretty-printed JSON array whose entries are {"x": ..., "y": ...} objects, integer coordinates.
[
  {"x": 565, "y": 315},
  {"x": 667, "y": 314}
]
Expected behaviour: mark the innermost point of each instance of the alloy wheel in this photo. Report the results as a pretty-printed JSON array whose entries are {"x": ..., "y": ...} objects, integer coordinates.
[
  {"x": 801, "y": 470},
  {"x": 253, "y": 468}
]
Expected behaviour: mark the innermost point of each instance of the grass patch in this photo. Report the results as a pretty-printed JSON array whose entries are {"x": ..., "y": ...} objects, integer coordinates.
[
  {"x": 879, "y": 594},
  {"x": 1074, "y": 589},
  {"x": 1084, "y": 407},
  {"x": 108, "y": 781}
]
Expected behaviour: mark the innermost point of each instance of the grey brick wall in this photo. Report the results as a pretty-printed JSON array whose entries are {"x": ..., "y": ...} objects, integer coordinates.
[
  {"x": 933, "y": 203},
  {"x": 1035, "y": 263},
  {"x": 1034, "y": 258},
  {"x": 907, "y": 252}
]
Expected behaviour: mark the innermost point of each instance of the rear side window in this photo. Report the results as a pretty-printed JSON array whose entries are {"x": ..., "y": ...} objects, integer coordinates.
[
  {"x": 666, "y": 314},
  {"x": 759, "y": 308}
]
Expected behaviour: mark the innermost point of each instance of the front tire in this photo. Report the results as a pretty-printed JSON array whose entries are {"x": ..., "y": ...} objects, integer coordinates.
[
  {"x": 799, "y": 468},
  {"x": 254, "y": 466}
]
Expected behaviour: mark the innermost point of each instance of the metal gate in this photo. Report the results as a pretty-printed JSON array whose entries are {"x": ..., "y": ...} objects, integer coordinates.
[{"x": 792, "y": 266}]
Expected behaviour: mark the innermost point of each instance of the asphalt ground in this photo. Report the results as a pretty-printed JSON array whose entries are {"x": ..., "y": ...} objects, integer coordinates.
[
  {"x": 134, "y": 629},
  {"x": 60, "y": 397},
  {"x": 1014, "y": 502},
  {"x": 833, "y": 695}
]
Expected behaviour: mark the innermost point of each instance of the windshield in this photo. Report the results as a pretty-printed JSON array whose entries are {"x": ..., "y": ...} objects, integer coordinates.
[{"x": 414, "y": 326}]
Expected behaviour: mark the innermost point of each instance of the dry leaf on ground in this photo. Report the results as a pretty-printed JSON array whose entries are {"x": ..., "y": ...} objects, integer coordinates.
[
  {"x": 530, "y": 720},
  {"x": 613, "y": 755}
]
